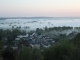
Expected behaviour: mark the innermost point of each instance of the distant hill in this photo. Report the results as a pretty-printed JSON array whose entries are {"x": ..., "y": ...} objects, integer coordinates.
[{"x": 4, "y": 18}]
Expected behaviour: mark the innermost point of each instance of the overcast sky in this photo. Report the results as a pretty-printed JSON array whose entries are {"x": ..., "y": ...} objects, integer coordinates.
[{"x": 31, "y": 8}]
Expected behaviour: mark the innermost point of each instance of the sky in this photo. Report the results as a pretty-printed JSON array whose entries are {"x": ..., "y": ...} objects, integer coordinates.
[{"x": 39, "y": 8}]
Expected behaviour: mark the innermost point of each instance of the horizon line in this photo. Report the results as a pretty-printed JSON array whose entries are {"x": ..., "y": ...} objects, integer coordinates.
[{"x": 39, "y": 17}]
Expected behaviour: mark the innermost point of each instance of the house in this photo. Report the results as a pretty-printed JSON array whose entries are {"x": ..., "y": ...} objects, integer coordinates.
[
  {"x": 15, "y": 46},
  {"x": 22, "y": 36},
  {"x": 46, "y": 46},
  {"x": 35, "y": 40},
  {"x": 35, "y": 45}
]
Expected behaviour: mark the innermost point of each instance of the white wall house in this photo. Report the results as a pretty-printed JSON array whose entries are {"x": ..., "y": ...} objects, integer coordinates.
[{"x": 21, "y": 36}]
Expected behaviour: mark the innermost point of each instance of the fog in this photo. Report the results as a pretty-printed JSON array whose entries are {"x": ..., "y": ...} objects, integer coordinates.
[{"x": 32, "y": 24}]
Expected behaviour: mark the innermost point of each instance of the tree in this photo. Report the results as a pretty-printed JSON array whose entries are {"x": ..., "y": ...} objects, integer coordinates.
[
  {"x": 15, "y": 33},
  {"x": 39, "y": 31},
  {"x": 2, "y": 43},
  {"x": 8, "y": 54},
  {"x": 76, "y": 51},
  {"x": 76, "y": 40},
  {"x": 60, "y": 51},
  {"x": 75, "y": 54},
  {"x": 12, "y": 27},
  {"x": 23, "y": 32},
  {"x": 1, "y": 34},
  {"x": 23, "y": 43},
  {"x": 9, "y": 41},
  {"x": 36, "y": 54},
  {"x": 24, "y": 54},
  {"x": 46, "y": 28},
  {"x": 62, "y": 36}
]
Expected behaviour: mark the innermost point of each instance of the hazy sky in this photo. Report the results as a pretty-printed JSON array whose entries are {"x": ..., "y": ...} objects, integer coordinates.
[{"x": 28, "y": 8}]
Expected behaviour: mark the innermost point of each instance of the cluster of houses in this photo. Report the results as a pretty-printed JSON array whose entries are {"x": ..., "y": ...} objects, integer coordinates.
[{"x": 35, "y": 40}]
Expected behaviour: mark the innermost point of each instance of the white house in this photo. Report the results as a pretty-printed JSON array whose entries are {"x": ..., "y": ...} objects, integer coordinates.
[{"x": 21, "y": 36}]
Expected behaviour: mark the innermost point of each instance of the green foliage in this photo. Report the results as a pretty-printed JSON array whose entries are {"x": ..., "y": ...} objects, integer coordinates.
[
  {"x": 58, "y": 28},
  {"x": 30, "y": 32},
  {"x": 36, "y": 54},
  {"x": 15, "y": 33},
  {"x": 8, "y": 54},
  {"x": 76, "y": 40},
  {"x": 1, "y": 34},
  {"x": 23, "y": 32},
  {"x": 46, "y": 28},
  {"x": 12, "y": 33},
  {"x": 59, "y": 51},
  {"x": 63, "y": 36},
  {"x": 75, "y": 54},
  {"x": 76, "y": 51},
  {"x": 23, "y": 43},
  {"x": 2, "y": 43},
  {"x": 24, "y": 54},
  {"x": 39, "y": 31}
]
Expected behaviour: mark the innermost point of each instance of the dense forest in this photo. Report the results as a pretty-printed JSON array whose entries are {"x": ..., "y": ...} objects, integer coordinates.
[{"x": 64, "y": 49}]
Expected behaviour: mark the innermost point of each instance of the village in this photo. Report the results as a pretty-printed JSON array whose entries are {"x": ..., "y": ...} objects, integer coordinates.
[{"x": 34, "y": 40}]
